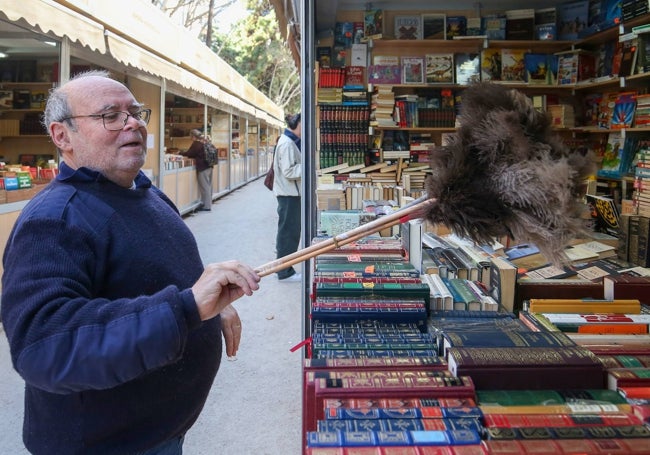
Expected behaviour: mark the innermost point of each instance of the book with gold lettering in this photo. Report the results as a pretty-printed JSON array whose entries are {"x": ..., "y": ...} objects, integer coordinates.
[
  {"x": 597, "y": 432},
  {"x": 566, "y": 446},
  {"x": 545, "y": 401},
  {"x": 402, "y": 384},
  {"x": 560, "y": 305},
  {"x": 559, "y": 420},
  {"x": 563, "y": 367}
]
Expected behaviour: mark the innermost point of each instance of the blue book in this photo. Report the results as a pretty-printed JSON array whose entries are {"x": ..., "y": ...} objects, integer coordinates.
[{"x": 573, "y": 19}]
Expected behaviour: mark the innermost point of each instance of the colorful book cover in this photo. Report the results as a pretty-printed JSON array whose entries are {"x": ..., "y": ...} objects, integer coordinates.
[
  {"x": 491, "y": 64},
  {"x": 513, "y": 67},
  {"x": 606, "y": 213},
  {"x": 573, "y": 19},
  {"x": 384, "y": 74},
  {"x": 412, "y": 70},
  {"x": 439, "y": 68},
  {"x": 324, "y": 56},
  {"x": 567, "y": 72},
  {"x": 468, "y": 68},
  {"x": 343, "y": 34},
  {"x": 373, "y": 21},
  {"x": 408, "y": 27},
  {"x": 536, "y": 68},
  {"x": 494, "y": 26},
  {"x": 456, "y": 26},
  {"x": 623, "y": 113},
  {"x": 434, "y": 26}
]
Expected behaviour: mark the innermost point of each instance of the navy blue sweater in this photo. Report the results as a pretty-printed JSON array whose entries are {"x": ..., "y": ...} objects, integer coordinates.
[{"x": 101, "y": 321}]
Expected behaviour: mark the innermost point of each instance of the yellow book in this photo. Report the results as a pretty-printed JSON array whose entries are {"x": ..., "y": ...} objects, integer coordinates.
[{"x": 631, "y": 306}]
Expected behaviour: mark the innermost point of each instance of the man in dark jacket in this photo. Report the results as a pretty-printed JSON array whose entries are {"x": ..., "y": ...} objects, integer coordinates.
[
  {"x": 113, "y": 321},
  {"x": 203, "y": 169}
]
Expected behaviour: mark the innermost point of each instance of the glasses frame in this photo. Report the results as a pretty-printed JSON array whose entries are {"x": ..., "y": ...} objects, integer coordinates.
[{"x": 135, "y": 115}]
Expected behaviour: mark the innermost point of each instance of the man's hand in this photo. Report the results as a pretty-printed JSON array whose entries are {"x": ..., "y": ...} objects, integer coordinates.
[
  {"x": 221, "y": 284},
  {"x": 231, "y": 328}
]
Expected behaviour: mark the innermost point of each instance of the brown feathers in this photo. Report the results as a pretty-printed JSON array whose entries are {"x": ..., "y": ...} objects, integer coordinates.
[{"x": 505, "y": 172}]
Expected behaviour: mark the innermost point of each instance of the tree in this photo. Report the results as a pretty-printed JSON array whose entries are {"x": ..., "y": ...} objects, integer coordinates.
[{"x": 254, "y": 47}]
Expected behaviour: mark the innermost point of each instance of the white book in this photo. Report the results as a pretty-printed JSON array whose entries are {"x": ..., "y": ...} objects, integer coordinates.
[{"x": 447, "y": 299}]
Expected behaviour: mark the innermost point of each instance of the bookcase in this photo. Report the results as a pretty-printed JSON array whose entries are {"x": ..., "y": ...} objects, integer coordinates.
[
  {"x": 23, "y": 139},
  {"x": 565, "y": 101},
  {"x": 181, "y": 117}
]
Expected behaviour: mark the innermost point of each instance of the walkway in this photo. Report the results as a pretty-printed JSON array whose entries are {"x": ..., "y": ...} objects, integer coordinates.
[{"x": 255, "y": 404}]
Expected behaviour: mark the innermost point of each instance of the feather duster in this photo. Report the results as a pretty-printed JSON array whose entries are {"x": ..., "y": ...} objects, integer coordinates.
[{"x": 506, "y": 173}]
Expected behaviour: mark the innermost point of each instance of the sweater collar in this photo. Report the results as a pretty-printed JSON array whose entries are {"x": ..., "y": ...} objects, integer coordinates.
[
  {"x": 85, "y": 175},
  {"x": 293, "y": 137}
]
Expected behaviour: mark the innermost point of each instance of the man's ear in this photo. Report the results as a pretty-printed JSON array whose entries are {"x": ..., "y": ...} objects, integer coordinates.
[{"x": 60, "y": 136}]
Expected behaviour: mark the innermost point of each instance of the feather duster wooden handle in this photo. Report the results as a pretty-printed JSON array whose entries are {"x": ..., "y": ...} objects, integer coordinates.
[{"x": 415, "y": 209}]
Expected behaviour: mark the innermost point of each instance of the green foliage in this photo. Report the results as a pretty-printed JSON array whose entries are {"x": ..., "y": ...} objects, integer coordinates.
[{"x": 253, "y": 47}]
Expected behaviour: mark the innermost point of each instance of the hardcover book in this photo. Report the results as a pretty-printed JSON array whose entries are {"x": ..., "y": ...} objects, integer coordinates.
[
  {"x": 503, "y": 278},
  {"x": 412, "y": 70},
  {"x": 536, "y": 68},
  {"x": 439, "y": 68},
  {"x": 513, "y": 66},
  {"x": 373, "y": 21},
  {"x": 384, "y": 74},
  {"x": 468, "y": 68},
  {"x": 567, "y": 367},
  {"x": 606, "y": 213},
  {"x": 456, "y": 26},
  {"x": 491, "y": 64},
  {"x": 626, "y": 286},
  {"x": 520, "y": 24},
  {"x": 573, "y": 18},
  {"x": 408, "y": 27},
  {"x": 434, "y": 26}
]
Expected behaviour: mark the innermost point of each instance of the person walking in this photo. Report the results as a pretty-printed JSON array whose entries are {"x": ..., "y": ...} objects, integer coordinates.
[
  {"x": 287, "y": 183},
  {"x": 112, "y": 319},
  {"x": 196, "y": 151}
]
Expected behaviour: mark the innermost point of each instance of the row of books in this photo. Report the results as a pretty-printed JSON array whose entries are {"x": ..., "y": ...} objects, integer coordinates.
[
  {"x": 514, "y": 382},
  {"x": 569, "y": 21}
]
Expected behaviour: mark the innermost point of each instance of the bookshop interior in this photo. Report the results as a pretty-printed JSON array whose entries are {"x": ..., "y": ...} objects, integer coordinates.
[{"x": 510, "y": 312}]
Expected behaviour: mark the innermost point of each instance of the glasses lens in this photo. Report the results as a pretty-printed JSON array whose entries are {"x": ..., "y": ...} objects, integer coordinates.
[
  {"x": 115, "y": 121},
  {"x": 144, "y": 115}
]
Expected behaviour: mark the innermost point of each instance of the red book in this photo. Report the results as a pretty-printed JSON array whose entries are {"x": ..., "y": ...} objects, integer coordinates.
[
  {"x": 568, "y": 446},
  {"x": 401, "y": 384},
  {"x": 559, "y": 420},
  {"x": 628, "y": 377},
  {"x": 626, "y": 286},
  {"x": 444, "y": 402}
]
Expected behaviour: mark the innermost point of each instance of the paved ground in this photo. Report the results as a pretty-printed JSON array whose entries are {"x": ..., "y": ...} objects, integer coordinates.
[{"x": 255, "y": 405}]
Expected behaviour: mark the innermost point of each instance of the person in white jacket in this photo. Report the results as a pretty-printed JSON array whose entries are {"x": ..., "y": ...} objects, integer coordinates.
[{"x": 287, "y": 166}]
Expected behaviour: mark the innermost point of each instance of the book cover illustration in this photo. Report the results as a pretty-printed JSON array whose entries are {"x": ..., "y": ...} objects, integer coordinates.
[
  {"x": 456, "y": 26},
  {"x": 324, "y": 56},
  {"x": 536, "y": 68},
  {"x": 408, "y": 27},
  {"x": 623, "y": 113},
  {"x": 339, "y": 54},
  {"x": 494, "y": 26},
  {"x": 513, "y": 67},
  {"x": 491, "y": 64},
  {"x": 606, "y": 213},
  {"x": 412, "y": 70},
  {"x": 373, "y": 21},
  {"x": 439, "y": 68},
  {"x": 573, "y": 19},
  {"x": 343, "y": 32},
  {"x": 434, "y": 26},
  {"x": 567, "y": 72},
  {"x": 384, "y": 74},
  {"x": 468, "y": 68},
  {"x": 613, "y": 157}
]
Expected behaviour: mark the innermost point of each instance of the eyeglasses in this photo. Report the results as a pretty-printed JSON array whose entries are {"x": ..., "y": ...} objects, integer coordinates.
[{"x": 115, "y": 121}]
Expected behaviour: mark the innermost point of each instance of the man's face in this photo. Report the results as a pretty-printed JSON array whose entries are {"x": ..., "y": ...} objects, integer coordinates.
[{"x": 118, "y": 155}]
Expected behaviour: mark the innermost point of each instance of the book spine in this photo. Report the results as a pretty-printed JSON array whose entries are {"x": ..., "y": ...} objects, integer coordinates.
[
  {"x": 391, "y": 438},
  {"x": 399, "y": 424},
  {"x": 399, "y": 402},
  {"x": 596, "y": 432},
  {"x": 559, "y": 420}
]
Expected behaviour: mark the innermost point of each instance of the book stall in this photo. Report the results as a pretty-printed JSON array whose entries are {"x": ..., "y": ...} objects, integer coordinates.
[{"x": 422, "y": 340}]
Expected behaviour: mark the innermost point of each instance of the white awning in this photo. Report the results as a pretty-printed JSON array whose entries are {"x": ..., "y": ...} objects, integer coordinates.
[
  {"x": 127, "y": 53},
  {"x": 51, "y": 17}
]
